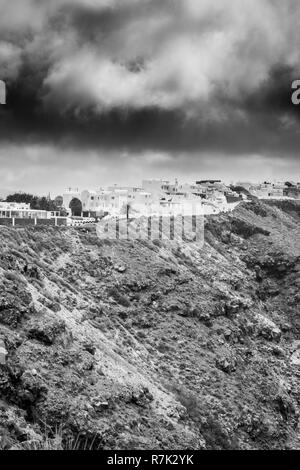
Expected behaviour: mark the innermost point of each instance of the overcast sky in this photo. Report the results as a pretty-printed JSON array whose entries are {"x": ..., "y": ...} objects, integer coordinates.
[{"x": 113, "y": 91}]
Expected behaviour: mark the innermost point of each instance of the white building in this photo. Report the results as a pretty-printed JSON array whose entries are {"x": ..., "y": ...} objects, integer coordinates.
[
  {"x": 70, "y": 194},
  {"x": 14, "y": 206},
  {"x": 111, "y": 200},
  {"x": 268, "y": 190},
  {"x": 23, "y": 211}
]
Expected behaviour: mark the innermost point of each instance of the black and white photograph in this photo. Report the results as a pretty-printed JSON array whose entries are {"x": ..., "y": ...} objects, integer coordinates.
[{"x": 149, "y": 228}]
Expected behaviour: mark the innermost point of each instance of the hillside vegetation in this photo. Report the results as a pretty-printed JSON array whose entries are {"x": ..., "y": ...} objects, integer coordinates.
[{"x": 142, "y": 345}]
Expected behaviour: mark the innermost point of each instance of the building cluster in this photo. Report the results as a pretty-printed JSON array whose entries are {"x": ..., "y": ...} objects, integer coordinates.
[
  {"x": 275, "y": 190},
  {"x": 153, "y": 196}
]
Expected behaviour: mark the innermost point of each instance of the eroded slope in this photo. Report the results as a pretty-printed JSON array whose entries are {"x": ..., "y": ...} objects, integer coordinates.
[{"x": 131, "y": 345}]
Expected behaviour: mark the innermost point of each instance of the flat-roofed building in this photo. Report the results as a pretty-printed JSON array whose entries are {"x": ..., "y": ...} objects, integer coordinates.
[{"x": 22, "y": 211}]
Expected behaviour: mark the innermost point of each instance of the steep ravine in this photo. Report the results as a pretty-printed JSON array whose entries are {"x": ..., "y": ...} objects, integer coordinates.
[{"x": 141, "y": 345}]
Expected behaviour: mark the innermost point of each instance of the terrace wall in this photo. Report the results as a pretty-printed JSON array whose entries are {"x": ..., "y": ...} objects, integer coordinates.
[{"x": 32, "y": 222}]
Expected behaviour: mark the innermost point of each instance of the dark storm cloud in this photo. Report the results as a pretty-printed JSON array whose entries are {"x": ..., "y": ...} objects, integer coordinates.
[
  {"x": 267, "y": 124},
  {"x": 148, "y": 75}
]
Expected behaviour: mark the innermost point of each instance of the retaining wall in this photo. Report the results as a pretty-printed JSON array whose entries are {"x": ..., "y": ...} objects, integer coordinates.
[{"x": 14, "y": 221}]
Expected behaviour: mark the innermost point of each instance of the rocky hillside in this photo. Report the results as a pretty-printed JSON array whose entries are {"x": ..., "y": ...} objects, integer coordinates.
[{"x": 141, "y": 345}]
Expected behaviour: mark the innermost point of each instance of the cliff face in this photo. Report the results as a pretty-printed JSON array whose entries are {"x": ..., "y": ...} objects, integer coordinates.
[{"x": 141, "y": 345}]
